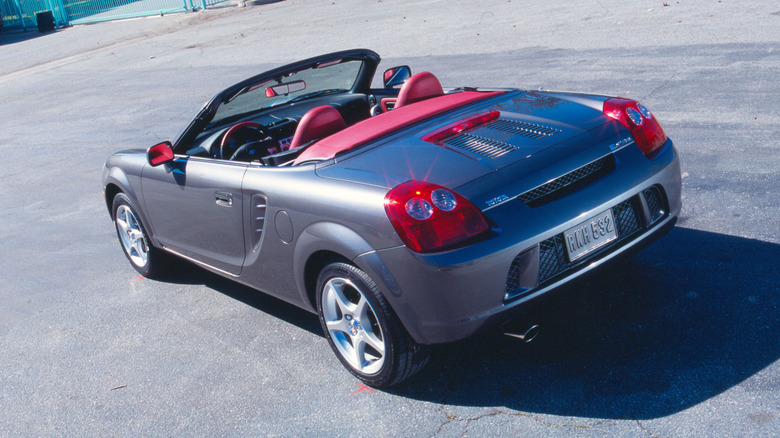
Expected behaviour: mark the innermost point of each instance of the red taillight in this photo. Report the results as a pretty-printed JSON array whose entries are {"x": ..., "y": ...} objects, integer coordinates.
[
  {"x": 644, "y": 127},
  {"x": 428, "y": 217},
  {"x": 462, "y": 125}
]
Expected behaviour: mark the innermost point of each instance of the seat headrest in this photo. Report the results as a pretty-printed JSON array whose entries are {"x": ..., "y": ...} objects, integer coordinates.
[
  {"x": 419, "y": 87},
  {"x": 317, "y": 123}
]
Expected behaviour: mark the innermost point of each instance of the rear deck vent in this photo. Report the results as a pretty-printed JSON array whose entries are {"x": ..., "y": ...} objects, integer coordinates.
[
  {"x": 524, "y": 129},
  {"x": 480, "y": 145},
  {"x": 498, "y": 138}
]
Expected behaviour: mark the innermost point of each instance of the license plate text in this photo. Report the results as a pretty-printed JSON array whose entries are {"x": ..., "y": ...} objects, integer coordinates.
[{"x": 590, "y": 235}]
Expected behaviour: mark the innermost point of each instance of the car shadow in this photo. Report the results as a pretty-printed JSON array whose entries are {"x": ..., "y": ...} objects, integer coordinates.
[
  {"x": 691, "y": 316},
  {"x": 183, "y": 272}
]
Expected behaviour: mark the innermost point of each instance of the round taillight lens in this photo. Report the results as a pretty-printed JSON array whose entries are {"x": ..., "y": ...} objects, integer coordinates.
[
  {"x": 645, "y": 112},
  {"x": 634, "y": 116},
  {"x": 444, "y": 200},
  {"x": 419, "y": 209}
]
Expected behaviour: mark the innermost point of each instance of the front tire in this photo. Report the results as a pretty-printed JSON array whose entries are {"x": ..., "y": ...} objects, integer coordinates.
[
  {"x": 146, "y": 259},
  {"x": 364, "y": 333}
]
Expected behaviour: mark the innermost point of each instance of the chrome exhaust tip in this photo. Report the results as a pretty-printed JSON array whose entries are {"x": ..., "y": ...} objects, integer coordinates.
[{"x": 522, "y": 331}]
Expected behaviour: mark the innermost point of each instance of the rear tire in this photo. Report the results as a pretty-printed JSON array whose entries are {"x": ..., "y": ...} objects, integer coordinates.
[
  {"x": 362, "y": 329},
  {"x": 145, "y": 258}
]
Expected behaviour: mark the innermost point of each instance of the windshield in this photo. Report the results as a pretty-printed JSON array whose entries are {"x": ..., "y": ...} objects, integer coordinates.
[{"x": 330, "y": 77}]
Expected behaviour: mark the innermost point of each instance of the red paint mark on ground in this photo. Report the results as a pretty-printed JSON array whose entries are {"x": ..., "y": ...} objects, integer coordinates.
[
  {"x": 361, "y": 388},
  {"x": 139, "y": 278}
]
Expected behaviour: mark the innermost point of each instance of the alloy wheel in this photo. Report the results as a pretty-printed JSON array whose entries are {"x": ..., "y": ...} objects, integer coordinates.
[
  {"x": 132, "y": 236},
  {"x": 353, "y": 325}
]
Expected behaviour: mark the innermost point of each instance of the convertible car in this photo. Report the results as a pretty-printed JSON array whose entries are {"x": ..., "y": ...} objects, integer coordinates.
[{"x": 403, "y": 213}]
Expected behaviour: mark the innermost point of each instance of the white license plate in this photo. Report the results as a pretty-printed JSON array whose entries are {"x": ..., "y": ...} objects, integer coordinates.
[{"x": 590, "y": 235}]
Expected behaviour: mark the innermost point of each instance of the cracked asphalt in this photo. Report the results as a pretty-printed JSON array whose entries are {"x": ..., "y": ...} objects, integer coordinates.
[{"x": 680, "y": 340}]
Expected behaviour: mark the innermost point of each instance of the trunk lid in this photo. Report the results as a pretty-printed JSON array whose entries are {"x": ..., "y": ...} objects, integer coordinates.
[{"x": 529, "y": 123}]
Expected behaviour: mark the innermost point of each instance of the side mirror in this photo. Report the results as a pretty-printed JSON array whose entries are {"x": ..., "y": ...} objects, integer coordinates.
[
  {"x": 160, "y": 154},
  {"x": 396, "y": 76}
]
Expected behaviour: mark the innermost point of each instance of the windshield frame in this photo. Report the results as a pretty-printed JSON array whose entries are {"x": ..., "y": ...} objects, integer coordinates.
[{"x": 206, "y": 117}]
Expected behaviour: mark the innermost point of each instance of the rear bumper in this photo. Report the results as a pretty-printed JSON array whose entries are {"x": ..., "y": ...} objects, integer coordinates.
[{"x": 449, "y": 296}]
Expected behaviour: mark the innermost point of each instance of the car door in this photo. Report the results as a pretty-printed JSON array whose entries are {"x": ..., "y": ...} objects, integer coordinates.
[{"x": 195, "y": 206}]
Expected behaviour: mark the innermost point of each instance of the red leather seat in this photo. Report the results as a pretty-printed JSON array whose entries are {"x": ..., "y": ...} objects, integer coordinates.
[
  {"x": 317, "y": 123},
  {"x": 419, "y": 87}
]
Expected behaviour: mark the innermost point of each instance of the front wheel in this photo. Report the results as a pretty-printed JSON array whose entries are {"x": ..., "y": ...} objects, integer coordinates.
[
  {"x": 367, "y": 337},
  {"x": 145, "y": 258}
]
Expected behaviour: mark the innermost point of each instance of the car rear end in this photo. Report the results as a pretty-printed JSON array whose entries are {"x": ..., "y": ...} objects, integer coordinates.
[{"x": 563, "y": 183}]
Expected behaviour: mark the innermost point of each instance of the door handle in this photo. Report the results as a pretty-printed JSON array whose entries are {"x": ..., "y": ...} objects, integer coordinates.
[{"x": 224, "y": 199}]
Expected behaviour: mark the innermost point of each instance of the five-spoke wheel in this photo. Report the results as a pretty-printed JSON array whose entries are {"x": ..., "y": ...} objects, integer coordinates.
[
  {"x": 132, "y": 236},
  {"x": 145, "y": 258},
  {"x": 353, "y": 325},
  {"x": 363, "y": 330}
]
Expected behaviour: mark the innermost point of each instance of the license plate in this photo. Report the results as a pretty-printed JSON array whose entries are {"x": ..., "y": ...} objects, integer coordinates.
[{"x": 590, "y": 235}]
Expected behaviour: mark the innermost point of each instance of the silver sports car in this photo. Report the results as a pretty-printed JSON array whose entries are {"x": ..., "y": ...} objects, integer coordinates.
[{"x": 402, "y": 213}]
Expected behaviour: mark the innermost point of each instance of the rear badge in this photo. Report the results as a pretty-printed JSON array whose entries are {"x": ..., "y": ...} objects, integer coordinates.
[
  {"x": 497, "y": 200},
  {"x": 621, "y": 144}
]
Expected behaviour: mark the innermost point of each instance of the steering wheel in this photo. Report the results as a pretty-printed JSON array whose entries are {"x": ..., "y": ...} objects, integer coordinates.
[{"x": 224, "y": 153}]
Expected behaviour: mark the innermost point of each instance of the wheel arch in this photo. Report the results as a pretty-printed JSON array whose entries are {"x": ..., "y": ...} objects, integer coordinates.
[
  {"x": 110, "y": 193},
  {"x": 314, "y": 265},
  {"x": 317, "y": 246},
  {"x": 115, "y": 182}
]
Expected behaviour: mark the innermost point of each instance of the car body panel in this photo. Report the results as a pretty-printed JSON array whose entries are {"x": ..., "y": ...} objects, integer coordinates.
[
  {"x": 197, "y": 207},
  {"x": 297, "y": 227},
  {"x": 122, "y": 172}
]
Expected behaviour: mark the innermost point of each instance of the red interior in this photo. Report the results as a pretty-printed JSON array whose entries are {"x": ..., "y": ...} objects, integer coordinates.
[
  {"x": 317, "y": 123},
  {"x": 419, "y": 87}
]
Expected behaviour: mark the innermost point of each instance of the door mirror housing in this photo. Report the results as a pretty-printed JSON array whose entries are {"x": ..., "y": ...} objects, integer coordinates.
[
  {"x": 160, "y": 154},
  {"x": 396, "y": 76}
]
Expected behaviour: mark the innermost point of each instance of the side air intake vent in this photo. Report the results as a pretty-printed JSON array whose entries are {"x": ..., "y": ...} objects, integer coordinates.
[{"x": 258, "y": 219}]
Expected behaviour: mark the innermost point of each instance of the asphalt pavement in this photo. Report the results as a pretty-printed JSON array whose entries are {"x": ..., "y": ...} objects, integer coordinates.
[{"x": 683, "y": 339}]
